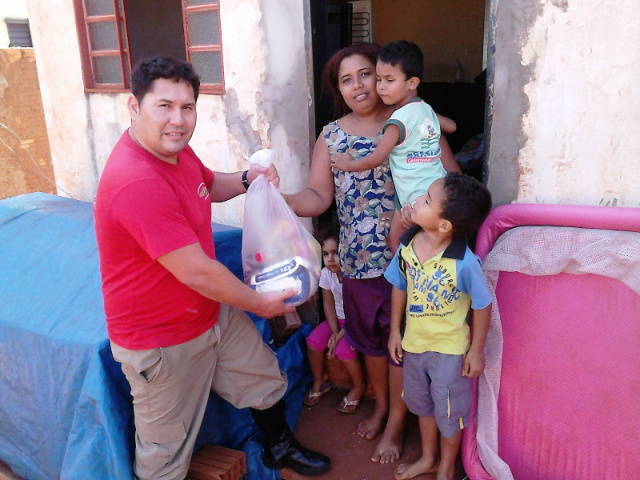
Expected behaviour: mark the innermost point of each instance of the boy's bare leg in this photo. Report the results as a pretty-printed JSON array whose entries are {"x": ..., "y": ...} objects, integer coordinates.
[
  {"x": 449, "y": 450},
  {"x": 428, "y": 462},
  {"x": 390, "y": 446},
  {"x": 378, "y": 371}
]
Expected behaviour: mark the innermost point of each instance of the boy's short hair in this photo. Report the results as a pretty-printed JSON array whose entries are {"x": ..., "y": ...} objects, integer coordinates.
[
  {"x": 405, "y": 55},
  {"x": 149, "y": 70},
  {"x": 467, "y": 203}
]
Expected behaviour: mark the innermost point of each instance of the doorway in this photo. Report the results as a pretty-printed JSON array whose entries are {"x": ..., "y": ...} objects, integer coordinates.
[{"x": 452, "y": 37}]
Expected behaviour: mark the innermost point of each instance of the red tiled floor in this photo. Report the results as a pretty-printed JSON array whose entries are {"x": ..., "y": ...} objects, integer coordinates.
[{"x": 323, "y": 428}]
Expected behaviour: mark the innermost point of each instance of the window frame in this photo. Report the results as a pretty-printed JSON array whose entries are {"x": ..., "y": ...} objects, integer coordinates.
[
  {"x": 119, "y": 18},
  {"x": 214, "y": 5}
]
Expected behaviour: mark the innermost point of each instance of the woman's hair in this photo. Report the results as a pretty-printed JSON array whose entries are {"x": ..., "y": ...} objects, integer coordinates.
[
  {"x": 149, "y": 70},
  {"x": 331, "y": 70}
]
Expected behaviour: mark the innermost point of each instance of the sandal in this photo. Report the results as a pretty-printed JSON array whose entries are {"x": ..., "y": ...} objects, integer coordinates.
[
  {"x": 311, "y": 398},
  {"x": 348, "y": 406}
]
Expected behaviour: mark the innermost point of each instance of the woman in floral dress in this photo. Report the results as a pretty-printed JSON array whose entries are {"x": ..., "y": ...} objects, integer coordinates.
[{"x": 365, "y": 203}]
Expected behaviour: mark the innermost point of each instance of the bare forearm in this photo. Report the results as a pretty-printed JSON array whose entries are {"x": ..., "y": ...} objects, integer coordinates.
[
  {"x": 192, "y": 267},
  {"x": 398, "y": 305},
  {"x": 308, "y": 202},
  {"x": 218, "y": 283},
  {"x": 366, "y": 163},
  {"x": 480, "y": 323},
  {"x": 332, "y": 320},
  {"x": 329, "y": 304},
  {"x": 226, "y": 186},
  {"x": 448, "y": 160},
  {"x": 447, "y": 125}
]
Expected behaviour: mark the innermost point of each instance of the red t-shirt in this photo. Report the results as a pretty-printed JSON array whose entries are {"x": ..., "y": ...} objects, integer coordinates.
[{"x": 145, "y": 208}]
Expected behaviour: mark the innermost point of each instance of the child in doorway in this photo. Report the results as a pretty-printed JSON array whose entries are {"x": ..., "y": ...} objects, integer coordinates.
[
  {"x": 436, "y": 279},
  {"x": 411, "y": 136},
  {"x": 330, "y": 334}
]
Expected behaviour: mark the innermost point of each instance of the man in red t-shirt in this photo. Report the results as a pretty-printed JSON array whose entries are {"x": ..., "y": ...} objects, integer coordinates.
[{"x": 175, "y": 315}]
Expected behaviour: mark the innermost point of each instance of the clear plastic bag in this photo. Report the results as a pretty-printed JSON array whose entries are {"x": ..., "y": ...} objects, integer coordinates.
[{"x": 277, "y": 251}]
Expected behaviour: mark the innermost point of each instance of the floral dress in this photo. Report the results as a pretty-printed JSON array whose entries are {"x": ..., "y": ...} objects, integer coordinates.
[{"x": 366, "y": 204}]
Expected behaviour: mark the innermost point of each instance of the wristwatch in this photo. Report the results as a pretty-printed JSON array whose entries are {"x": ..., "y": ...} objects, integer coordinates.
[{"x": 245, "y": 180}]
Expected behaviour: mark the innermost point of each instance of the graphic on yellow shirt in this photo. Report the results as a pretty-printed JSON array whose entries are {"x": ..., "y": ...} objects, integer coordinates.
[
  {"x": 436, "y": 309},
  {"x": 432, "y": 288}
]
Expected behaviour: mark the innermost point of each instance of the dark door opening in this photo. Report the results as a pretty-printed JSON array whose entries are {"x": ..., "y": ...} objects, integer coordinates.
[{"x": 451, "y": 37}]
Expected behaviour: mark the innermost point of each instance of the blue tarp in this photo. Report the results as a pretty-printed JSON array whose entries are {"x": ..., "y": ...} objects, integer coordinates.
[{"x": 65, "y": 408}]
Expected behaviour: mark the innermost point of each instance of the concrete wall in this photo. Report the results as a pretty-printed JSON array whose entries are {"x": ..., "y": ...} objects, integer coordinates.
[
  {"x": 266, "y": 104},
  {"x": 565, "y": 102},
  {"x": 24, "y": 145}
]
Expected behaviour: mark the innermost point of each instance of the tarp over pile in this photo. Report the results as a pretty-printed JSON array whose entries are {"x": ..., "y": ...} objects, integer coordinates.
[{"x": 65, "y": 408}]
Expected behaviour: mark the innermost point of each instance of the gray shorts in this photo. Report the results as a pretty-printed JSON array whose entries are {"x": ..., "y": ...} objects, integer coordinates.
[{"x": 434, "y": 387}]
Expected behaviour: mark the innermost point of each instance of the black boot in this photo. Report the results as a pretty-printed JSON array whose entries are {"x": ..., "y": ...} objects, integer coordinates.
[{"x": 281, "y": 448}]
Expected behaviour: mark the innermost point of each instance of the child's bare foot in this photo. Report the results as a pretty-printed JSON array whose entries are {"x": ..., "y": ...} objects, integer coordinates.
[
  {"x": 389, "y": 448},
  {"x": 422, "y": 465},
  {"x": 370, "y": 427}
]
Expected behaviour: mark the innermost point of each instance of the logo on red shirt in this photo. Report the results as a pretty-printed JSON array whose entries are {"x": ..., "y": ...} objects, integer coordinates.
[{"x": 202, "y": 191}]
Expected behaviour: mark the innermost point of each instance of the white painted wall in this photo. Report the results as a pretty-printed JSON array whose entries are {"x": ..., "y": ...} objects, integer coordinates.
[
  {"x": 266, "y": 104},
  {"x": 10, "y": 9},
  {"x": 566, "y": 102},
  {"x": 66, "y": 109}
]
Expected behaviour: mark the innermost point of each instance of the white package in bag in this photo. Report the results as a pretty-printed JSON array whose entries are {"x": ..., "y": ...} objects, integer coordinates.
[{"x": 277, "y": 251}]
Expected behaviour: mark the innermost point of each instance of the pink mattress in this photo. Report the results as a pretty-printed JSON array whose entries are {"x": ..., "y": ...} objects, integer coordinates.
[{"x": 560, "y": 398}]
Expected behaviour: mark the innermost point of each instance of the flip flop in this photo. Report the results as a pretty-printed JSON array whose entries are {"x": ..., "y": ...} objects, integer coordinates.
[
  {"x": 348, "y": 406},
  {"x": 311, "y": 398}
]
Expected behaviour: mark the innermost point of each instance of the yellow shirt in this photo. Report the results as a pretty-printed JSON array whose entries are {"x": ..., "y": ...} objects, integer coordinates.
[{"x": 439, "y": 295}]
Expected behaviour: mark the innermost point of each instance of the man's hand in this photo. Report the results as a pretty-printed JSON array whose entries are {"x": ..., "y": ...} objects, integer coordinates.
[
  {"x": 340, "y": 161},
  {"x": 272, "y": 304},
  {"x": 270, "y": 172}
]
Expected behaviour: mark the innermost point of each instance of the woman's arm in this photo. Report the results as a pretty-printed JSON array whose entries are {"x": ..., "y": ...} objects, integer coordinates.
[
  {"x": 317, "y": 196},
  {"x": 447, "y": 125},
  {"x": 446, "y": 157}
]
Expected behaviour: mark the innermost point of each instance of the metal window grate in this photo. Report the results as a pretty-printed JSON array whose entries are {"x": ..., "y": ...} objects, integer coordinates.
[
  {"x": 19, "y": 33},
  {"x": 361, "y": 21}
]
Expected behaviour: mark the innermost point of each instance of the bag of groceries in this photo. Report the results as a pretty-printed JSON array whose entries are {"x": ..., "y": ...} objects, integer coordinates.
[{"x": 277, "y": 250}]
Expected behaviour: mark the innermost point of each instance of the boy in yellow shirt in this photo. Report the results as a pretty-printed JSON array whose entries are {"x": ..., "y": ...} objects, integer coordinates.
[{"x": 436, "y": 279}]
